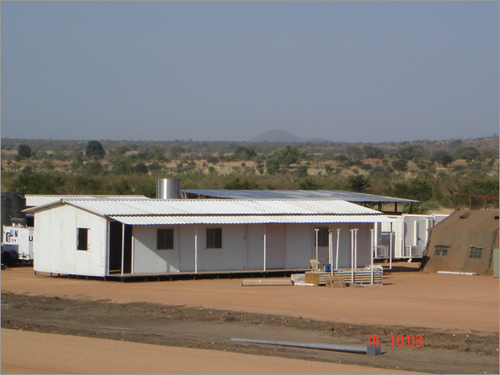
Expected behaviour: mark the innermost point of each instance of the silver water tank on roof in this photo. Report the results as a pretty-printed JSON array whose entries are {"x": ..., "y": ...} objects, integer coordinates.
[{"x": 168, "y": 189}]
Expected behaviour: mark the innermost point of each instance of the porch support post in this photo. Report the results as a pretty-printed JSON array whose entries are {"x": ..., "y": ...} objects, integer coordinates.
[
  {"x": 106, "y": 251},
  {"x": 330, "y": 250},
  {"x": 316, "y": 231},
  {"x": 371, "y": 252},
  {"x": 354, "y": 252},
  {"x": 355, "y": 248},
  {"x": 123, "y": 248},
  {"x": 337, "y": 252},
  {"x": 196, "y": 249},
  {"x": 391, "y": 244},
  {"x": 265, "y": 247}
]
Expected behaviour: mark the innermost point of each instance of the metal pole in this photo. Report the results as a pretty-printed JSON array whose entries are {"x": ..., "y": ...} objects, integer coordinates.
[
  {"x": 371, "y": 252},
  {"x": 265, "y": 246},
  {"x": 369, "y": 350},
  {"x": 352, "y": 255},
  {"x": 390, "y": 248},
  {"x": 330, "y": 250},
  {"x": 123, "y": 248},
  {"x": 316, "y": 230},
  {"x": 337, "y": 252},
  {"x": 196, "y": 249},
  {"x": 355, "y": 248}
]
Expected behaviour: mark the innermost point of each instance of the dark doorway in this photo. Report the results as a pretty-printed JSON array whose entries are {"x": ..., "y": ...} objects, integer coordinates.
[{"x": 115, "y": 248}]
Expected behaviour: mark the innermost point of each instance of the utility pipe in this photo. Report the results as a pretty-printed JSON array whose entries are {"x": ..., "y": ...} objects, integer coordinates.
[{"x": 368, "y": 350}]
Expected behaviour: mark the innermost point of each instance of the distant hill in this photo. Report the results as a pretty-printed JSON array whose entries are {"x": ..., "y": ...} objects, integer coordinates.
[
  {"x": 283, "y": 136},
  {"x": 276, "y": 136}
]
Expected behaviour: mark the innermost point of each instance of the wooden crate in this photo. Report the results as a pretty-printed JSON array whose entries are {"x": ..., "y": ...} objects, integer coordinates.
[
  {"x": 335, "y": 282},
  {"x": 312, "y": 278}
]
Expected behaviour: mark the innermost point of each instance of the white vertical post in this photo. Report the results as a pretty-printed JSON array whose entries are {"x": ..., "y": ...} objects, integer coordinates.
[
  {"x": 132, "y": 252},
  {"x": 352, "y": 255},
  {"x": 316, "y": 230},
  {"x": 330, "y": 250},
  {"x": 415, "y": 231},
  {"x": 123, "y": 248},
  {"x": 372, "y": 240},
  {"x": 355, "y": 248},
  {"x": 337, "y": 252},
  {"x": 391, "y": 248},
  {"x": 106, "y": 250},
  {"x": 265, "y": 246},
  {"x": 196, "y": 249}
]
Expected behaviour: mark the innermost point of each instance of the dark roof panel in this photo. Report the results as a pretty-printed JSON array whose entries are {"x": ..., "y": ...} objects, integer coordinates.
[{"x": 297, "y": 194}]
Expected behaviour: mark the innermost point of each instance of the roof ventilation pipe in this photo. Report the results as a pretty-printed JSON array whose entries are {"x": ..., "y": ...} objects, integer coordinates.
[{"x": 168, "y": 189}]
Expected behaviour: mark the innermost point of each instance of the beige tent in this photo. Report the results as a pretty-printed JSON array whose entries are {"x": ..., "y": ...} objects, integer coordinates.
[{"x": 463, "y": 242}]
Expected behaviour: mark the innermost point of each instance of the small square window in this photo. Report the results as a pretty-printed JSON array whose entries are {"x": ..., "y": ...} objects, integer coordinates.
[
  {"x": 165, "y": 239},
  {"x": 323, "y": 237},
  {"x": 476, "y": 252},
  {"x": 441, "y": 250},
  {"x": 82, "y": 239},
  {"x": 214, "y": 238}
]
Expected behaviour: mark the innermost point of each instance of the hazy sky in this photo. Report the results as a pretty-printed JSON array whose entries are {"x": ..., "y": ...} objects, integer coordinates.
[{"x": 344, "y": 71}]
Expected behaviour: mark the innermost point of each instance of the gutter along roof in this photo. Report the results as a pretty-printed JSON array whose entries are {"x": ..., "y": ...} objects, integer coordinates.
[{"x": 225, "y": 211}]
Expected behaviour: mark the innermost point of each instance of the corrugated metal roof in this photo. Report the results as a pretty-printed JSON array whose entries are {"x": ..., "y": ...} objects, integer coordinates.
[
  {"x": 297, "y": 194},
  {"x": 185, "y": 207},
  {"x": 251, "y": 219},
  {"x": 42, "y": 199}
]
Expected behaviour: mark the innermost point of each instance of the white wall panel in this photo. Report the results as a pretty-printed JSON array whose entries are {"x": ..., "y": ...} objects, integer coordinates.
[{"x": 147, "y": 258}]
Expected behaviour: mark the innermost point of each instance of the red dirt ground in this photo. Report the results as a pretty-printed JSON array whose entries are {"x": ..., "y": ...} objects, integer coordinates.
[{"x": 445, "y": 302}]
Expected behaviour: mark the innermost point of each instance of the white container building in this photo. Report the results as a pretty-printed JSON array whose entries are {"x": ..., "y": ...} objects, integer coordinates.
[{"x": 102, "y": 237}]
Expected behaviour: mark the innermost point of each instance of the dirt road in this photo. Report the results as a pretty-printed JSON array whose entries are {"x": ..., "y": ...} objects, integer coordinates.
[{"x": 456, "y": 316}]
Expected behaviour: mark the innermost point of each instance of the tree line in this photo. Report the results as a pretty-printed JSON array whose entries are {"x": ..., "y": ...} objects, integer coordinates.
[{"x": 408, "y": 170}]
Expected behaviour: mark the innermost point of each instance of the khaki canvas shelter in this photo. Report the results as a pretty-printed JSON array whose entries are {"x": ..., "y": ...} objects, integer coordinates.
[{"x": 463, "y": 242}]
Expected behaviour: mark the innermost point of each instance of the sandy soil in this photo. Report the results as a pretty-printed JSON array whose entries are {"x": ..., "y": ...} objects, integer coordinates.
[
  {"x": 51, "y": 354},
  {"x": 415, "y": 299},
  {"x": 456, "y": 315}
]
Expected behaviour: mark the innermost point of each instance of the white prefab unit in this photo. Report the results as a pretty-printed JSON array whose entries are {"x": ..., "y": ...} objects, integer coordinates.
[
  {"x": 20, "y": 239},
  {"x": 99, "y": 237},
  {"x": 407, "y": 236}
]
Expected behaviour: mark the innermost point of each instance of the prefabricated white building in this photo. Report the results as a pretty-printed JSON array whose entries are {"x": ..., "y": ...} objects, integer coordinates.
[
  {"x": 406, "y": 236},
  {"x": 101, "y": 237}
]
